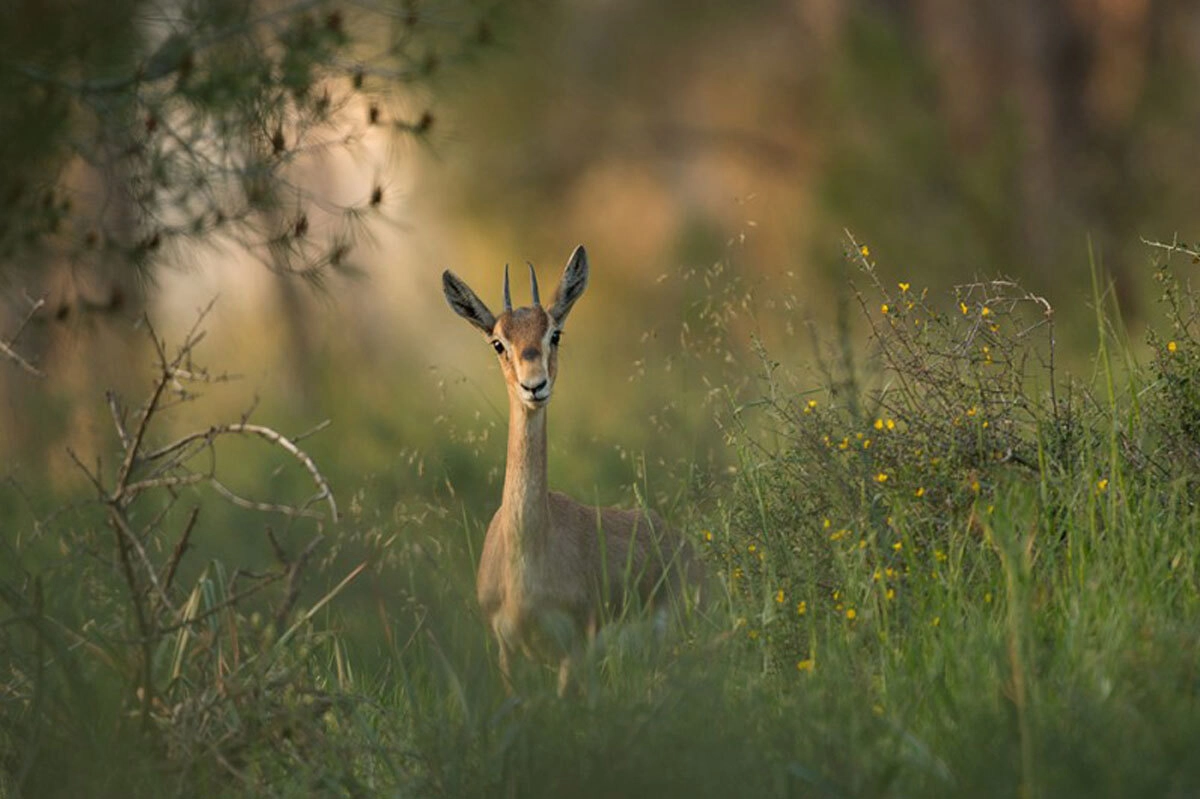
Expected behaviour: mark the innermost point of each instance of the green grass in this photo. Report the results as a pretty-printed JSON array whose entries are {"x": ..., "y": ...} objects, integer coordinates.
[{"x": 954, "y": 571}]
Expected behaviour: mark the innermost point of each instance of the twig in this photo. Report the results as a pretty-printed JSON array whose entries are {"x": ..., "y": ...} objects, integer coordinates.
[
  {"x": 118, "y": 419},
  {"x": 16, "y": 358},
  {"x": 140, "y": 433},
  {"x": 293, "y": 576},
  {"x": 296, "y": 452},
  {"x": 1173, "y": 247},
  {"x": 164, "y": 482},
  {"x": 122, "y": 525},
  {"x": 8, "y": 348},
  {"x": 265, "y": 507},
  {"x": 180, "y": 548},
  {"x": 264, "y": 581},
  {"x": 34, "y": 307}
]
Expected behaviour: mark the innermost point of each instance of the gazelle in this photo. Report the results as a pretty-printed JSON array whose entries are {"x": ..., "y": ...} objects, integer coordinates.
[{"x": 551, "y": 567}]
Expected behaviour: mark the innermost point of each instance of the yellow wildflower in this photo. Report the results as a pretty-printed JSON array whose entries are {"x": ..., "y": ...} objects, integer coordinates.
[
  {"x": 962, "y": 306},
  {"x": 884, "y": 308},
  {"x": 1102, "y": 485},
  {"x": 881, "y": 477},
  {"x": 708, "y": 535},
  {"x": 865, "y": 250},
  {"x": 779, "y": 597},
  {"x": 890, "y": 594},
  {"x": 920, "y": 492},
  {"x": 890, "y": 424},
  {"x": 986, "y": 311},
  {"x": 801, "y": 608},
  {"x": 878, "y": 424},
  {"x": 899, "y": 545},
  {"x": 903, "y": 286},
  {"x": 851, "y": 614},
  {"x": 1172, "y": 346},
  {"x": 806, "y": 665}
]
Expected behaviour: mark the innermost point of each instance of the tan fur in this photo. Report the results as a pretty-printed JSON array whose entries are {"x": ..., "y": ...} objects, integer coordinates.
[{"x": 553, "y": 569}]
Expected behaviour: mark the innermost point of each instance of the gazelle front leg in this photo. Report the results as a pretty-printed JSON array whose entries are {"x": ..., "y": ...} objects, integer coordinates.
[
  {"x": 564, "y": 672},
  {"x": 574, "y": 657},
  {"x": 504, "y": 662},
  {"x": 505, "y": 674}
]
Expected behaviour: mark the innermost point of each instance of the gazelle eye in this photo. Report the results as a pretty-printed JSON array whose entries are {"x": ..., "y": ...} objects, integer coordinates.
[
  {"x": 498, "y": 346},
  {"x": 555, "y": 336}
]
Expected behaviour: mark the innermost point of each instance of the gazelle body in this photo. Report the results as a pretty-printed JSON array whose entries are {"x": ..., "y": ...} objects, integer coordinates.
[{"x": 552, "y": 568}]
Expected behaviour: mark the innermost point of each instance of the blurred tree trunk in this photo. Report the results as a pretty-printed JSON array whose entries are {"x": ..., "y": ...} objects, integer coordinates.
[
  {"x": 81, "y": 338},
  {"x": 1075, "y": 70}
]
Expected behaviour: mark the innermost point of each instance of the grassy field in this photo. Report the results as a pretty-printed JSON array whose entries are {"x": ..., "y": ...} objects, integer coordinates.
[{"x": 947, "y": 567}]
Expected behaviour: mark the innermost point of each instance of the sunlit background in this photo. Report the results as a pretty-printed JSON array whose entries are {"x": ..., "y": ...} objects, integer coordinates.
[{"x": 712, "y": 157}]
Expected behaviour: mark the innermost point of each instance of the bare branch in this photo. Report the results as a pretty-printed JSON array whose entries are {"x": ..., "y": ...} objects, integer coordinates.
[
  {"x": 123, "y": 528},
  {"x": 266, "y": 507},
  {"x": 296, "y": 452},
  {"x": 164, "y": 482},
  {"x": 8, "y": 348},
  {"x": 1173, "y": 247},
  {"x": 94, "y": 478},
  {"x": 118, "y": 419},
  {"x": 34, "y": 307},
  {"x": 294, "y": 570},
  {"x": 15, "y": 357},
  {"x": 180, "y": 548}
]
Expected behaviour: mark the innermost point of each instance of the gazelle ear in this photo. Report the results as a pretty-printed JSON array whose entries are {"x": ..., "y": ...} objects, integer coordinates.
[
  {"x": 466, "y": 304},
  {"x": 570, "y": 288}
]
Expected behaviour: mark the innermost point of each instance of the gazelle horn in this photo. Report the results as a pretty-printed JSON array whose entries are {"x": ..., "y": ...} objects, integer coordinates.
[
  {"x": 533, "y": 280},
  {"x": 507, "y": 296}
]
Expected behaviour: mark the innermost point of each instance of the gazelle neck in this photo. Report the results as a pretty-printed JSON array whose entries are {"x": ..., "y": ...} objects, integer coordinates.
[{"x": 526, "y": 502}]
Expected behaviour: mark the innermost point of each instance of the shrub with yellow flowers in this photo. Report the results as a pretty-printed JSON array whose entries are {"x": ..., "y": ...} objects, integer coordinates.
[{"x": 870, "y": 480}]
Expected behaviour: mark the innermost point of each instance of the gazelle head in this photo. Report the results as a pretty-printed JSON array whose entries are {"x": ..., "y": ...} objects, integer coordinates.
[{"x": 525, "y": 339}]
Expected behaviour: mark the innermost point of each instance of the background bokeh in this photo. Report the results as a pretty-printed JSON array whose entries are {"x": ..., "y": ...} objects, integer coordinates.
[{"x": 712, "y": 157}]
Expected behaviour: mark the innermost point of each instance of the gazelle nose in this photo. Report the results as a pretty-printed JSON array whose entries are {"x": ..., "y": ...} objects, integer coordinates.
[{"x": 534, "y": 389}]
